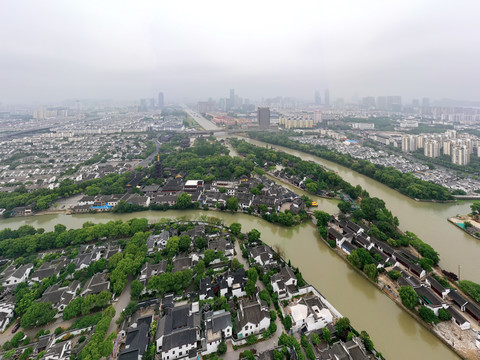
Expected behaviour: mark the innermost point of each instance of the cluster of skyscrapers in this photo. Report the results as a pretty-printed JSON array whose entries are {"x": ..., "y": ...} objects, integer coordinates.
[{"x": 459, "y": 149}]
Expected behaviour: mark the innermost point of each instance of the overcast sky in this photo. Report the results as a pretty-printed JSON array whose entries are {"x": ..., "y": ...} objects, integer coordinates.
[{"x": 53, "y": 50}]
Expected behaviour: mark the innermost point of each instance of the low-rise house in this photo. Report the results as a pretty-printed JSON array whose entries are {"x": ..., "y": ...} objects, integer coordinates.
[
  {"x": 48, "y": 269},
  {"x": 221, "y": 244},
  {"x": 205, "y": 289},
  {"x": 351, "y": 350},
  {"x": 438, "y": 288},
  {"x": 95, "y": 285},
  {"x": 178, "y": 331},
  {"x": 170, "y": 200},
  {"x": 182, "y": 263},
  {"x": 474, "y": 311},
  {"x": 232, "y": 282},
  {"x": 158, "y": 242},
  {"x": 148, "y": 270},
  {"x": 262, "y": 255},
  {"x": 252, "y": 318},
  {"x": 284, "y": 283},
  {"x": 136, "y": 341},
  {"x": 60, "y": 351},
  {"x": 151, "y": 190},
  {"x": 13, "y": 276},
  {"x": 59, "y": 296},
  {"x": 458, "y": 318},
  {"x": 86, "y": 200},
  {"x": 428, "y": 298},
  {"x": 7, "y": 306},
  {"x": 458, "y": 299},
  {"x": 297, "y": 206},
  {"x": 218, "y": 328},
  {"x": 309, "y": 314}
]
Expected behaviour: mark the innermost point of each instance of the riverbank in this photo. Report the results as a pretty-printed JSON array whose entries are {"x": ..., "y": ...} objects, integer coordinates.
[
  {"x": 288, "y": 144},
  {"x": 459, "y": 222},
  {"x": 460, "y": 342}
]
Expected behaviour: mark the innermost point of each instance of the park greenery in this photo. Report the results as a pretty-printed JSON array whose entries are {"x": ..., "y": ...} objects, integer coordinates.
[{"x": 406, "y": 184}]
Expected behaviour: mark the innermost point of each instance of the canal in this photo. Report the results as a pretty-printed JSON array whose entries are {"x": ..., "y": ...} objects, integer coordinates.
[
  {"x": 426, "y": 219},
  {"x": 394, "y": 332}
]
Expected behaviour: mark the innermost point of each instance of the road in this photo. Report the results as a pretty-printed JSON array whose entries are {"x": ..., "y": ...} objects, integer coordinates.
[
  {"x": 146, "y": 161},
  {"x": 206, "y": 124},
  {"x": 119, "y": 305}
]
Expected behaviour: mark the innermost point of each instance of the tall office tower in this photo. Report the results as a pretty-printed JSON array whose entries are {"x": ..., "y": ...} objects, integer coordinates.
[
  {"x": 381, "y": 103},
  {"x": 263, "y": 117},
  {"x": 460, "y": 155},
  {"x": 415, "y": 103},
  {"x": 368, "y": 102},
  {"x": 432, "y": 148},
  {"x": 317, "y": 117},
  {"x": 327, "y": 97},
  {"x": 425, "y": 102},
  {"x": 394, "y": 103},
  {"x": 232, "y": 98},
  {"x": 317, "y": 98},
  {"x": 160, "y": 100}
]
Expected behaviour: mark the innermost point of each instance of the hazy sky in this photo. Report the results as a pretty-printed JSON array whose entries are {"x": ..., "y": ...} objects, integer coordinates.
[{"x": 53, "y": 50}]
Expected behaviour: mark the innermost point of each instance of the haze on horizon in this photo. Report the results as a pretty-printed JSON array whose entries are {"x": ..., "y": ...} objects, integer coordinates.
[{"x": 53, "y": 50}]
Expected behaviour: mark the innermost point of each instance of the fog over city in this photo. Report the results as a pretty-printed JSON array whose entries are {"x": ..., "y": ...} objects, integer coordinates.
[{"x": 53, "y": 50}]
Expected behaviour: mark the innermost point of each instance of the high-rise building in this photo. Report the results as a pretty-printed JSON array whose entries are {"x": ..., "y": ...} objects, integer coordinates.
[
  {"x": 425, "y": 102},
  {"x": 317, "y": 98},
  {"x": 394, "y": 103},
  {"x": 381, "y": 103},
  {"x": 263, "y": 117},
  {"x": 432, "y": 148},
  {"x": 327, "y": 97},
  {"x": 409, "y": 143},
  {"x": 368, "y": 102},
  {"x": 415, "y": 103},
  {"x": 317, "y": 116},
  {"x": 232, "y": 99},
  {"x": 460, "y": 155},
  {"x": 160, "y": 100}
]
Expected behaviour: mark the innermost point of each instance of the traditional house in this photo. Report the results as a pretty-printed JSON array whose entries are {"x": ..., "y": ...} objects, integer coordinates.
[
  {"x": 178, "y": 331},
  {"x": 218, "y": 328},
  {"x": 284, "y": 283},
  {"x": 252, "y": 318},
  {"x": 309, "y": 314},
  {"x": 13, "y": 276}
]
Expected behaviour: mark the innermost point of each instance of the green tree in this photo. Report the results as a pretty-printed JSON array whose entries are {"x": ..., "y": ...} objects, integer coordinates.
[
  {"x": 326, "y": 335},
  {"x": 137, "y": 288},
  {"x": 367, "y": 341},
  {"x": 235, "y": 264},
  {"x": 184, "y": 243},
  {"x": 236, "y": 228},
  {"x": 428, "y": 315},
  {"x": 232, "y": 204},
  {"x": 444, "y": 315},
  {"x": 184, "y": 201},
  {"x": 209, "y": 256},
  {"x": 342, "y": 326},
  {"x": 371, "y": 271},
  {"x": 322, "y": 217},
  {"x": 254, "y": 235},
  {"x": 287, "y": 322},
  {"x": 475, "y": 207},
  {"x": 222, "y": 348},
  {"x": 408, "y": 296},
  {"x": 38, "y": 314}
]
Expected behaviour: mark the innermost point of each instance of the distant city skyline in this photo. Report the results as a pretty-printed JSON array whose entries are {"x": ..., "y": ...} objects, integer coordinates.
[{"x": 54, "y": 50}]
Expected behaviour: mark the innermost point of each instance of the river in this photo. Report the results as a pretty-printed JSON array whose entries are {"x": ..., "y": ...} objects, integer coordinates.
[
  {"x": 394, "y": 332},
  {"x": 426, "y": 219}
]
